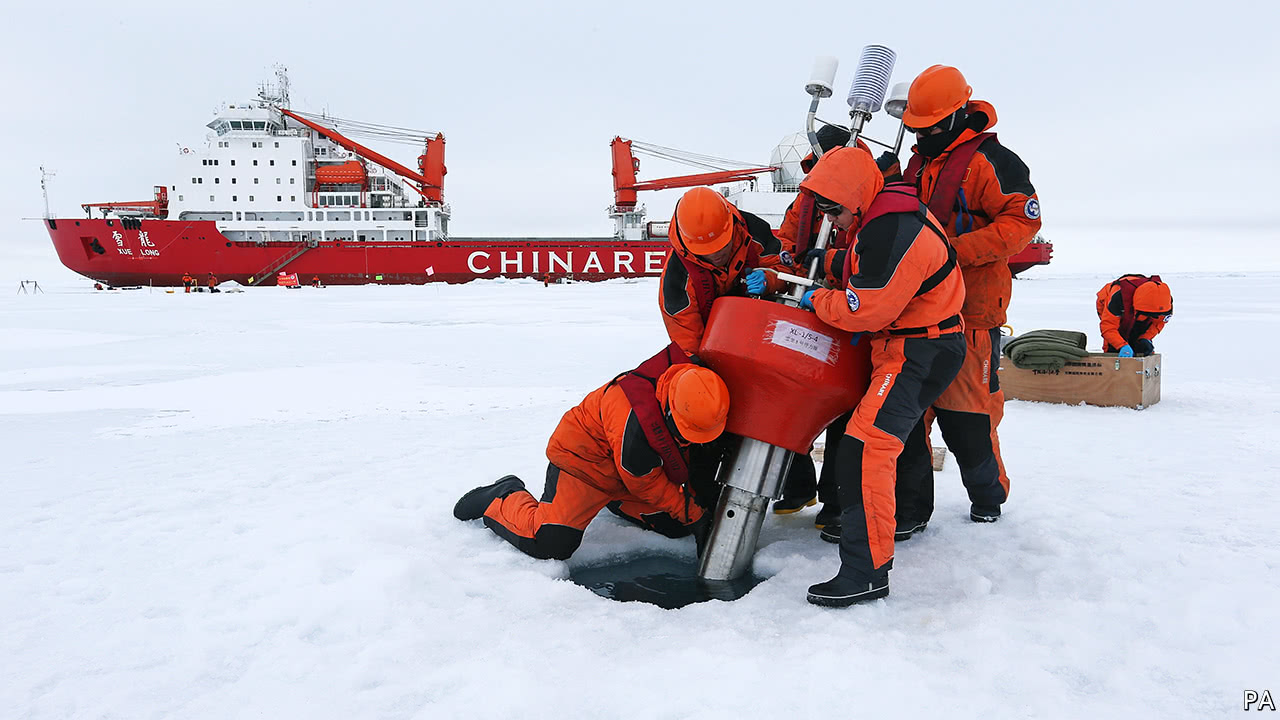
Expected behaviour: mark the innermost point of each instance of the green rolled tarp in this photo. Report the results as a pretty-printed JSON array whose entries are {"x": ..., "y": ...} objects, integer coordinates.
[{"x": 1046, "y": 349}]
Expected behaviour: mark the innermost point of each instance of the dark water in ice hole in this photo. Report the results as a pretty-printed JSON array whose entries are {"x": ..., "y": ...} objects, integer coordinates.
[{"x": 664, "y": 580}]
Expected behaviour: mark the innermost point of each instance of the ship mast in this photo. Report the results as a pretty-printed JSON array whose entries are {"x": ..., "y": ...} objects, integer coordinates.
[
  {"x": 44, "y": 188},
  {"x": 278, "y": 94}
]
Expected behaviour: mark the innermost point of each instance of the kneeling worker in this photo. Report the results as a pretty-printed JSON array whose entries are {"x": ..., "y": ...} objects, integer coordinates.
[
  {"x": 902, "y": 286},
  {"x": 1132, "y": 310},
  {"x": 625, "y": 446}
]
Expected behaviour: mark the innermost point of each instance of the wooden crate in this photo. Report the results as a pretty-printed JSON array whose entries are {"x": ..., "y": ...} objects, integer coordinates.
[{"x": 1098, "y": 379}]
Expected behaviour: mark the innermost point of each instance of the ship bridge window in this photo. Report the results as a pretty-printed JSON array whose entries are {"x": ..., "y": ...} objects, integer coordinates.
[
  {"x": 235, "y": 125},
  {"x": 260, "y": 125}
]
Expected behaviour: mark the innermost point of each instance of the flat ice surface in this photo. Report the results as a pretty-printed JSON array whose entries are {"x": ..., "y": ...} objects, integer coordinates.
[{"x": 238, "y": 505}]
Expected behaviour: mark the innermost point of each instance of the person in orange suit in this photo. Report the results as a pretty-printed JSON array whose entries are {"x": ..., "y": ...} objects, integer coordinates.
[
  {"x": 718, "y": 250},
  {"x": 187, "y": 280},
  {"x": 900, "y": 284},
  {"x": 627, "y": 447},
  {"x": 1132, "y": 310},
  {"x": 797, "y": 233},
  {"x": 213, "y": 283},
  {"x": 982, "y": 194}
]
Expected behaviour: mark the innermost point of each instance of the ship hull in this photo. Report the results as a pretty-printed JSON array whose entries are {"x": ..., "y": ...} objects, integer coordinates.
[
  {"x": 1036, "y": 253},
  {"x": 125, "y": 252}
]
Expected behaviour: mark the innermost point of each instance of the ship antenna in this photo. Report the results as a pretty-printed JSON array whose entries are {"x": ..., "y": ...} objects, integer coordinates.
[
  {"x": 282, "y": 85},
  {"x": 44, "y": 188},
  {"x": 277, "y": 94}
]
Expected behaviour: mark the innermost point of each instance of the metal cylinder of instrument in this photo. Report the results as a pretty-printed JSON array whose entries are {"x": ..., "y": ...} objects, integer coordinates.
[{"x": 751, "y": 480}]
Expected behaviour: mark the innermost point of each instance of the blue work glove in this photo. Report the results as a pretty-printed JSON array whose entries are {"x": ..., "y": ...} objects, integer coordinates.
[
  {"x": 806, "y": 302},
  {"x": 756, "y": 282},
  {"x": 1125, "y": 351}
]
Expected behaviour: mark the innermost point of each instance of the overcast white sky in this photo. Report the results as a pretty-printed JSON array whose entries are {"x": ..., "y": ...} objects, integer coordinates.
[{"x": 1125, "y": 112}]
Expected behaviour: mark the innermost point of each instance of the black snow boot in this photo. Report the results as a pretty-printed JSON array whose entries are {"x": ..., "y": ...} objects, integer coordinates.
[
  {"x": 984, "y": 513},
  {"x": 840, "y": 591},
  {"x": 787, "y": 505},
  {"x": 907, "y": 528},
  {"x": 828, "y": 515},
  {"x": 472, "y": 505},
  {"x": 831, "y": 532}
]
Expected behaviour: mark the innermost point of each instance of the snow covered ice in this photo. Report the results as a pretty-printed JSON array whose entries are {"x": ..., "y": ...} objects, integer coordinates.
[{"x": 238, "y": 505}]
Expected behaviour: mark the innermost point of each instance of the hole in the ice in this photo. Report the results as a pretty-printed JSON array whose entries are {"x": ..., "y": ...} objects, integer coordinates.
[
  {"x": 664, "y": 580},
  {"x": 729, "y": 513}
]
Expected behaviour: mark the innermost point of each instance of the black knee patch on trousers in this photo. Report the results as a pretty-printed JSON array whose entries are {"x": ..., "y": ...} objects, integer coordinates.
[
  {"x": 551, "y": 542},
  {"x": 549, "y": 486},
  {"x": 968, "y": 436}
]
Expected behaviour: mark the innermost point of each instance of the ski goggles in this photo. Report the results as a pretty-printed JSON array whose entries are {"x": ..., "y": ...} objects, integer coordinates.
[
  {"x": 827, "y": 207},
  {"x": 941, "y": 126}
]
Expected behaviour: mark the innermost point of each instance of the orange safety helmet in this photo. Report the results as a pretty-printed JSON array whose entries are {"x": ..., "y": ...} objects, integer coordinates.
[
  {"x": 704, "y": 221},
  {"x": 935, "y": 93},
  {"x": 699, "y": 403},
  {"x": 1153, "y": 298}
]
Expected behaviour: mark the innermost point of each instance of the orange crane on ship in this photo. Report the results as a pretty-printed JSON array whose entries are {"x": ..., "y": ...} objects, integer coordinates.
[
  {"x": 157, "y": 207},
  {"x": 428, "y": 181},
  {"x": 625, "y": 167}
]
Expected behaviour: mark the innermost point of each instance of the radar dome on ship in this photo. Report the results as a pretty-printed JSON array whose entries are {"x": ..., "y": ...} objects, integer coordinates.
[{"x": 787, "y": 156}]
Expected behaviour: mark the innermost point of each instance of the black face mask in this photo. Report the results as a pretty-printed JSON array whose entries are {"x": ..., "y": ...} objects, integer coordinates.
[{"x": 932, "y": 146}]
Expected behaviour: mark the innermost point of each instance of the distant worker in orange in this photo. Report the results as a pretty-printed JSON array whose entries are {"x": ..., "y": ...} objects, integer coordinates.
[
  {"x": 315, "y": 281},
  {"x": 1132, "y": 310},
  {"x": 187, "y": 280},
  {"x": 719, "y": 250},
  {"x": 626, "y": 446},
  {"x": 213, "y": 283},
  {"x": 982, "y": 194},
  {"x": 901, "y": 285}
]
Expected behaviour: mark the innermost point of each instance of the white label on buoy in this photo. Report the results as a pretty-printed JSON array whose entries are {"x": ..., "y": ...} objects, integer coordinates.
[{"x": 802, "y": 339}]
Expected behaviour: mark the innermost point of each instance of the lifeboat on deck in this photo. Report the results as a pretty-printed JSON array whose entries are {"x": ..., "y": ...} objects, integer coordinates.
[{"x": 351, "y": 172}]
